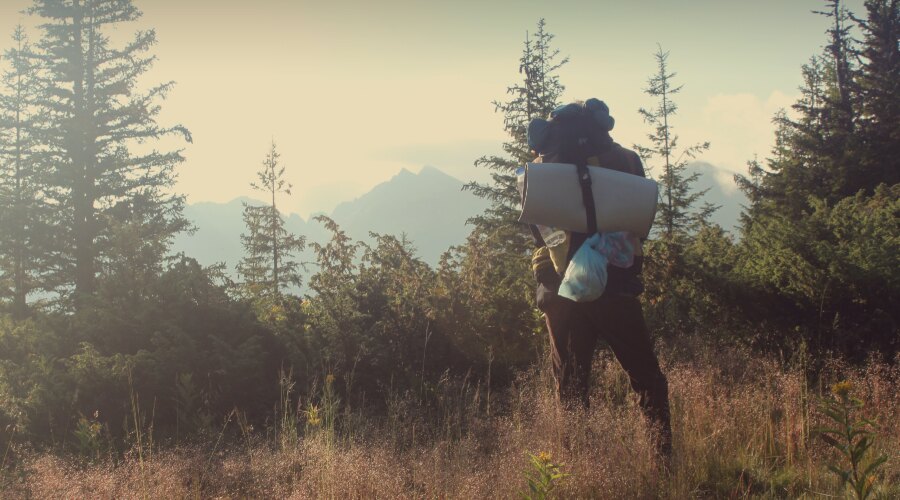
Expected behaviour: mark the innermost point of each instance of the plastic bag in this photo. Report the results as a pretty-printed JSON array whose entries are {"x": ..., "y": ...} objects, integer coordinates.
[{"x": 586, "y": 277}]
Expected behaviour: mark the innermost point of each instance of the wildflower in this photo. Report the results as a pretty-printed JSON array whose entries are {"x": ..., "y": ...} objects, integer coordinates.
[
  {"x": 544, "y": 457},
  {"x": 312, "y": 416},
  {"x": 842, "y": 389}
]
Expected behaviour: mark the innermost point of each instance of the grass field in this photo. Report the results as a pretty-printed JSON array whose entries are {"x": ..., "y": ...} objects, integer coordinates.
[{"x": 743, "y": 428}]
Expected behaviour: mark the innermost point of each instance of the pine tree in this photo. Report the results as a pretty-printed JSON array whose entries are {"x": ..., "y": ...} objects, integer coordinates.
[
  {"x": 23, "y": 213},
  {"x": 677, "y": 216},
  {"x": 535, "y": 96},
  {"x": 840, "y": 49},
  {"x": 790, "y": 177},
  {"x": 818, "y": 206},
  {"x": 672, "y": 275},
  {"x": 101, "y": 134},
  {"x": 267, "y": 268},
  {"x": 879, "y": 88},
  {"x": 490, "y": 267}
]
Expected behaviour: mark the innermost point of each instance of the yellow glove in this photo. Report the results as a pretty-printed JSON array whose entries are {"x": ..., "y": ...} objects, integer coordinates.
[
  {"x": 540, "y": 259},
  {"x": 542, "y": 267}
]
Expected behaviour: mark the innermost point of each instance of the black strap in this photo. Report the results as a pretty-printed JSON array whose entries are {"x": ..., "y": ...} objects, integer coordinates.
[
  {"x": 536, "y": 234},
  {"x": 587, "y": 197}
]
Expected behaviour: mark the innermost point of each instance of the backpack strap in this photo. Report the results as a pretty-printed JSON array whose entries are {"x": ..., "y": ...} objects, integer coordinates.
[
  {"x": 587, "y": 197},
  {"x": 584, "y": 179},
  {"x": 536, "y": 235}
]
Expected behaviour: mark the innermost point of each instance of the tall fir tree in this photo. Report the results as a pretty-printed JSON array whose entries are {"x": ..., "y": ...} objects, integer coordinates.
[
  {"x": 818, "y": 206},
  {"x": 535, "y": 96},
  {"x": 843, "y": 137},
  {"x": 23, "y": 213},
  {"x": 490, "y": 266},
  {"x": 101, "y": 136},
  {"x": 679, "y": 214},
  {"x": 840, "y": 49},
  {"x": 879, "y": 87},
  {"x": 672, "y": 276},
  {"x": 267, "y": 269}
]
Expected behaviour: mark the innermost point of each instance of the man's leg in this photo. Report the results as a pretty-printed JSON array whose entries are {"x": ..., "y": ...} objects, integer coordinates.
[
  {"x": 572, "y": 344},
  {"x": 621, "y": 323}
]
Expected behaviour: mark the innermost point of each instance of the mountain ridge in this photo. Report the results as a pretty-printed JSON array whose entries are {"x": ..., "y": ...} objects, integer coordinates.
[
  {"x": 394, "y": 206},
  {"x": 429, "y": 207}
]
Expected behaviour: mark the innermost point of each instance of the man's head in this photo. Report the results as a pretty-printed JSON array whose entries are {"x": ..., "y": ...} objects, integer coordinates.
[{"x": 572, "y": 132}]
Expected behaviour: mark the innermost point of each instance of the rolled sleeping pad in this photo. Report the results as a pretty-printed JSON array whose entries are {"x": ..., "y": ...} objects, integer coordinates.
[{"x": 623, "y": 202}]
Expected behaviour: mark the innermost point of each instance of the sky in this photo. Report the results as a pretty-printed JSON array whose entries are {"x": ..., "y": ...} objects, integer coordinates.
[{"x": 354, "y": 91}]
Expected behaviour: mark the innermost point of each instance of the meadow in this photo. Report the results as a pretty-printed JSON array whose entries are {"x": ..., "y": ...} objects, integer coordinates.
[{"x": 744, "y": 427}]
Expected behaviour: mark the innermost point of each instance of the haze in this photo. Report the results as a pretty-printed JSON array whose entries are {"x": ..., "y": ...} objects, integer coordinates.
[{"x": 353, "y": 92}]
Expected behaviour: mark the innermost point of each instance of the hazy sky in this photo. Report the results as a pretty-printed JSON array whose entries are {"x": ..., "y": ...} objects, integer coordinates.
[{"x": 353, "y": 91}]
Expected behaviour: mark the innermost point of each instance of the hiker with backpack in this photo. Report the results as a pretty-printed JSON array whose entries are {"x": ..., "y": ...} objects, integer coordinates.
[{"x": 578, "y": 134}]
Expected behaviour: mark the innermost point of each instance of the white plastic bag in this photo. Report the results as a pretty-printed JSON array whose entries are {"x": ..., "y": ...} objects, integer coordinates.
[{"x": 586, "y": 276}]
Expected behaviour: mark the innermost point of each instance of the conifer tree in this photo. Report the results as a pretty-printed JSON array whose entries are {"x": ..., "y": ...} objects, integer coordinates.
[
  {"x": 535, "y": 96},
  {"x": 818, "y": 204},
  {"x": 102, "y": 134},
  {"x": 840, "y": 49},
  {"x": 267, "y": 268},
  {"x": 491, "y": 266},
  {"x": 844, "y": 138},
  {"x": 879, "y": 87},
  {"x": 672, "y": 276},
  {"x": 678, "y": 215},
  {"x": 23, "y": 213}
]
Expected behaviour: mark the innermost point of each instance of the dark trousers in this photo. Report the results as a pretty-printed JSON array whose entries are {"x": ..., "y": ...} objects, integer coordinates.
[{"x": 618, "y": 320}]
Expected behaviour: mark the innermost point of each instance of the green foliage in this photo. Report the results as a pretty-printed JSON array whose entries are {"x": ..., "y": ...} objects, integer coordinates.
[
  {"x": 682, "y": 284},
  {"x": 100, "y": 176},
  {"x": 819, "y": 246},
  {"x": 852, "y": 437},
  {"x": 55, "y": 369},
  {"x": 335, "y": 328},
  {"x": 191, "y": 407},
  {"x": 535, "y": 96},
  {"x": 677, "y": 216},
  {"x": 267, "y": 268},
  {"x": 494, "y": 318},
  {"x": 543, "y": 477},
  {"x": 88, "y": 437},
  {"x": 24, "y": 213},
  {"x": 837, "y": 267},
  {"x": 484, "y": 302}
]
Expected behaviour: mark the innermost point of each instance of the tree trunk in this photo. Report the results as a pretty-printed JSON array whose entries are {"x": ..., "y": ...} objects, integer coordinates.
[{"x": 83, "y": 186}]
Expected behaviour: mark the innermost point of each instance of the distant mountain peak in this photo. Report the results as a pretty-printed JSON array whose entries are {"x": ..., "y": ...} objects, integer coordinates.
[
  {"x": 430, "y": 171},
  {"x": 428, "y": 206}
]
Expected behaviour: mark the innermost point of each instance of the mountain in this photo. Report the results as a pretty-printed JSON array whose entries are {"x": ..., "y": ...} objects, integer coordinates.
[
  {"x": 723, "y": 192},
  {"x": 429, "y": 207}
]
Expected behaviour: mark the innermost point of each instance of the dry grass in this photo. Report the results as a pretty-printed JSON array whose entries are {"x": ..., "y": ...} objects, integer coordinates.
[{"x": 742, "y": 430}]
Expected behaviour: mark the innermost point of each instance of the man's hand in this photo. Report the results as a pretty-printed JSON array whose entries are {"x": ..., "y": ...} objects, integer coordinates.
[{"x": 542, "y": 267}]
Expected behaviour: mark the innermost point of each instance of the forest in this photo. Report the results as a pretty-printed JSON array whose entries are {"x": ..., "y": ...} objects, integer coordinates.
[{"x": 127, "y": 371}]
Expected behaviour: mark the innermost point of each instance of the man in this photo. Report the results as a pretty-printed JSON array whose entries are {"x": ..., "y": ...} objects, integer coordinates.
[{"x": 578, "y": 133}]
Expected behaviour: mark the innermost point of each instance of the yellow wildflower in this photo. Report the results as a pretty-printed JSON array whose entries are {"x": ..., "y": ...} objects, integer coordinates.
[
  {"x": 842, "y": 389},
  {"x": 312, "y": 416},
  {"x": 544, "y": 457}
]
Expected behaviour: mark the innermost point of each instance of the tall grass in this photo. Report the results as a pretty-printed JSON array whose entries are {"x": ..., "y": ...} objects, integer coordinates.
[{"x": 741, "y": 428}]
